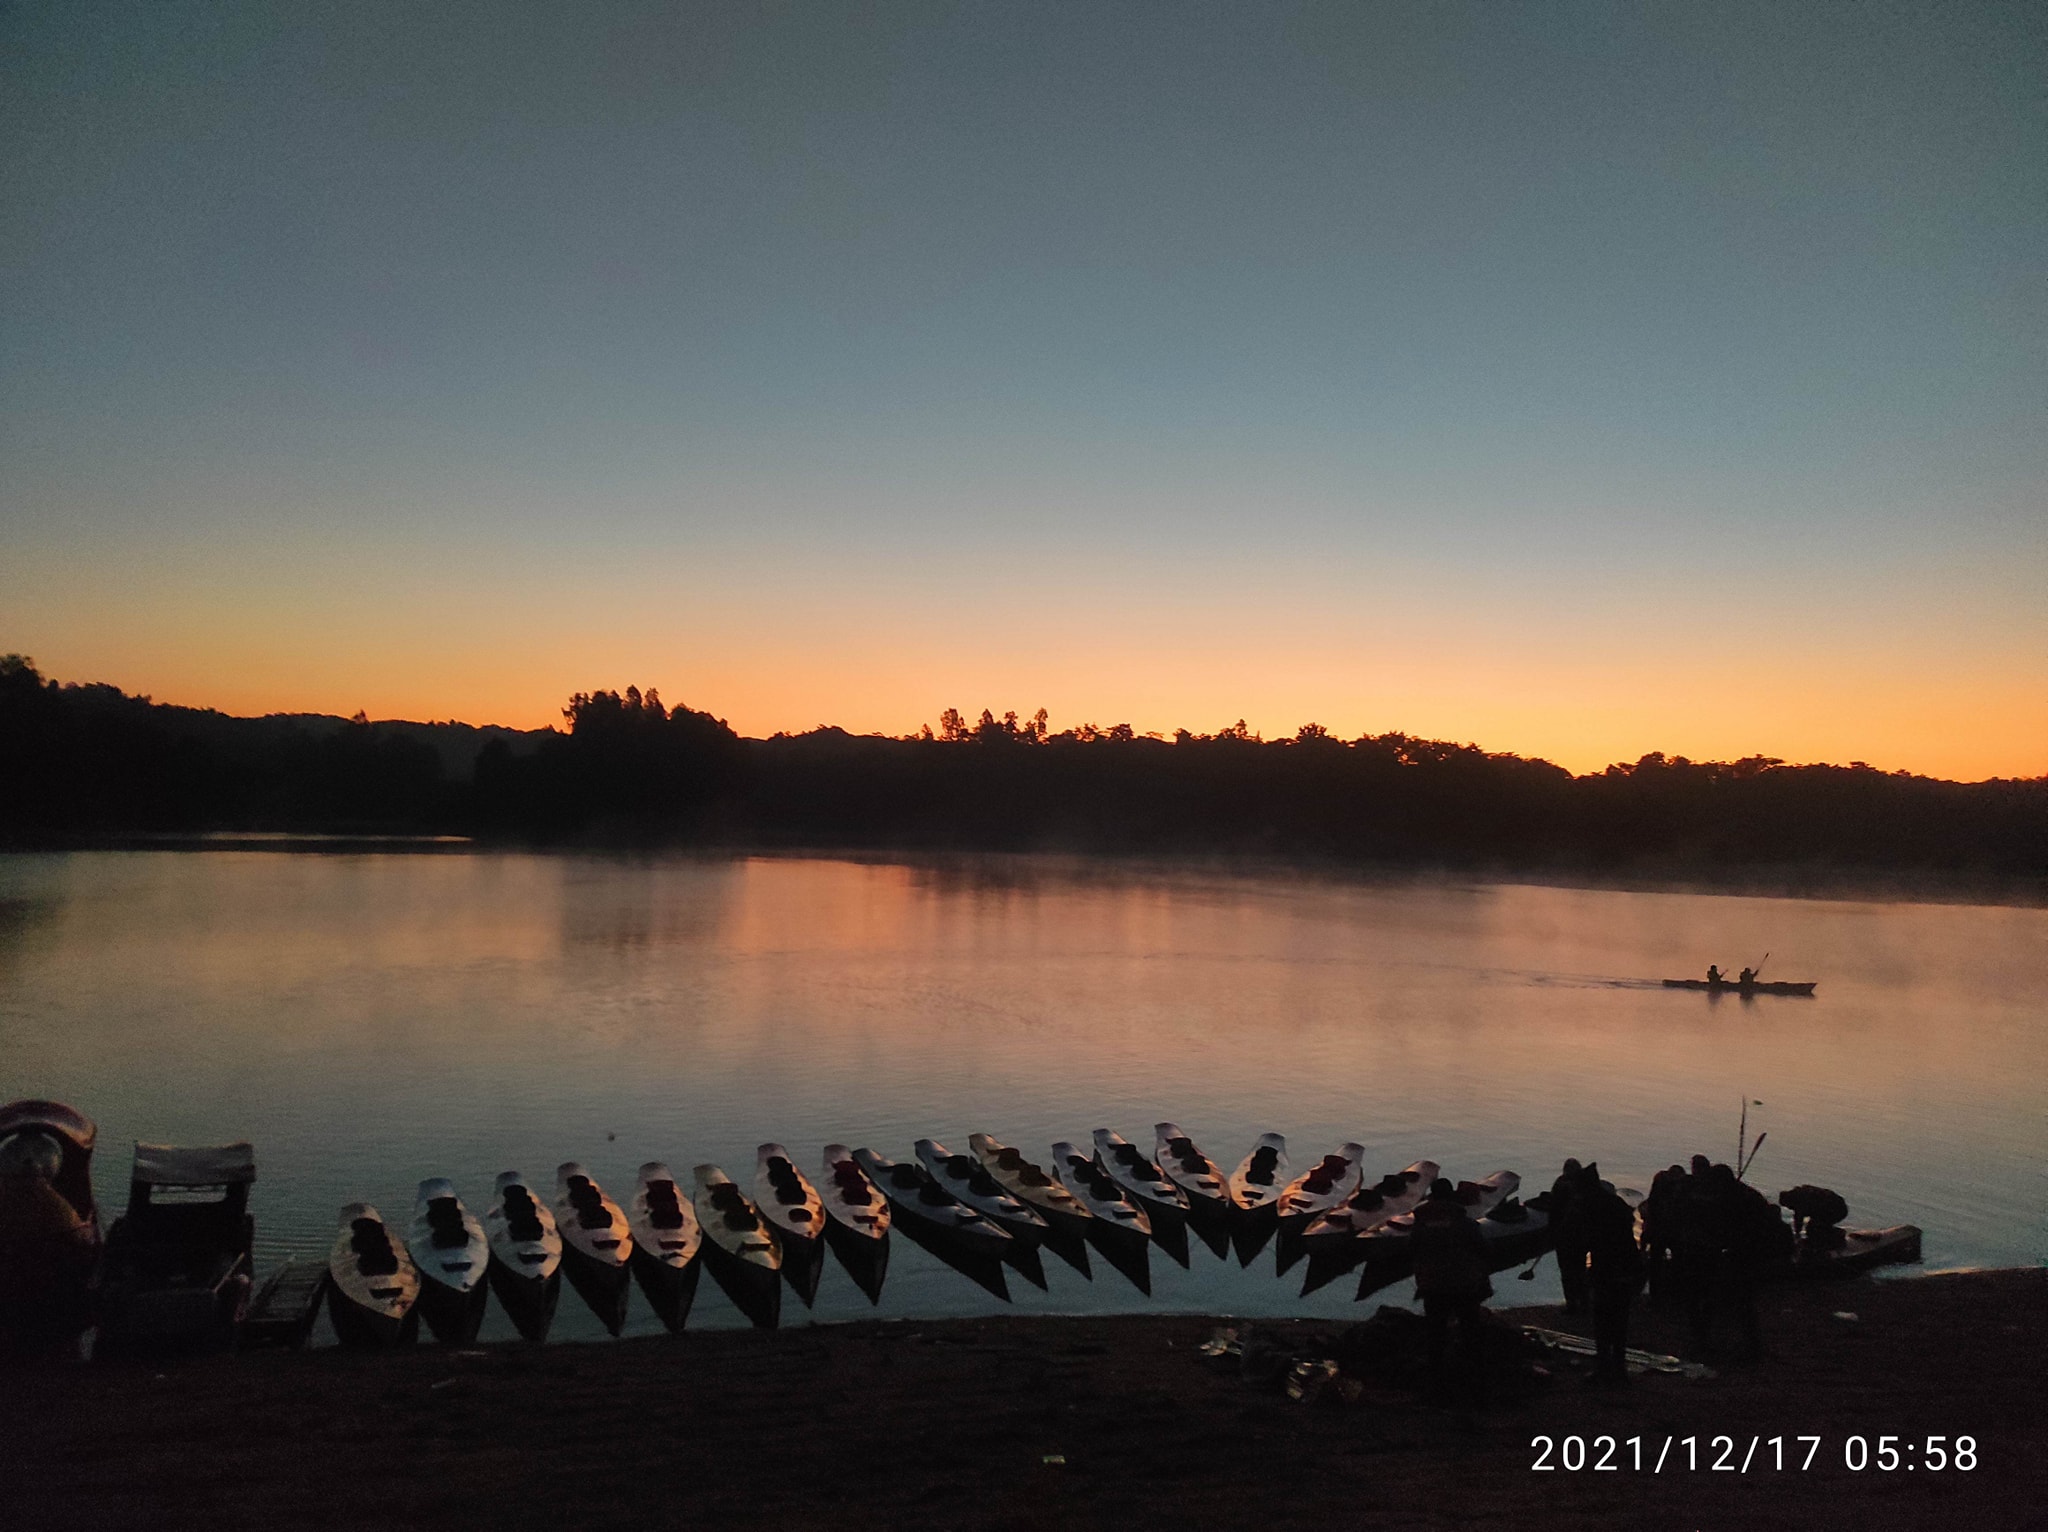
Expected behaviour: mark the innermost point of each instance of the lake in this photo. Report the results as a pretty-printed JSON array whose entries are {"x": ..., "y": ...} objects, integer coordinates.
[{"x": 371, "y": 1019}]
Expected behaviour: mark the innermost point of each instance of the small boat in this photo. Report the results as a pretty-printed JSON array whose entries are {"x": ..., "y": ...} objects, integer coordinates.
[
  {"x": 526, "y": 1256},
  {"x": 597, "y": 1246},
  {"x": 1066, "y": 1217},
  {"x": 1514, "y": 1232},
  {"x": 452, "y": 1255},
  {"x": 1372, "y": 1205},
  {"x": 856, "y": 1220},
  {"x": 285, "y": 1306},
  {"x": 745, "y": 1257},
  {"x": 1255, "y": 1186},
  {"x": 372, "y": 1285},
  {"x": 52, "y": 1232},
  {"x": 915, "y": 1195},
  {"x": 789, "y": 1201},
  {"x": 1860, "y": 1251},
  {"x": 1128, "y": 1166},
  {"x": 1027, "y": 1182},
  {"x": 1118, "y": 1224},
  {"x": 962, "y": 1177},
  {"x": 1330, "y": 1182},
  {"x": 930, "y": 1216},
  {"x": 1113, "y": 1208},
  {"x": 177, "y": 1273},
  {"x": 968, "y": 1181},
  {"x": 1737, "y": 987},
  {"x": 1202, "y": 1183},
  {"x": 666, "y": 1241}
]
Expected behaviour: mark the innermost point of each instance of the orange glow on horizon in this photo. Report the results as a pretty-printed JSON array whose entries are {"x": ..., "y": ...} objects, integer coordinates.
[{"x": 1974, "y": 728}]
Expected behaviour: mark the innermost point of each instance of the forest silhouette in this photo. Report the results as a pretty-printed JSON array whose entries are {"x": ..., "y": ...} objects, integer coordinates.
[{"x": 85, "y": 764}]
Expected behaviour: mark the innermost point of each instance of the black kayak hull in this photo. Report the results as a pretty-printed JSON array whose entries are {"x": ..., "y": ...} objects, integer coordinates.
[{"x": 1735, "y": 987}]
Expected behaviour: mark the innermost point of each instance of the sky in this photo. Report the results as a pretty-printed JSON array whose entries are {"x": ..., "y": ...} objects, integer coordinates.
[{"x": 1574, "y": 379}]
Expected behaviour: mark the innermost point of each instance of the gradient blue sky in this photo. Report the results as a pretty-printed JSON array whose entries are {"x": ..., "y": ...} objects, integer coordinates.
[{"x": 1577, "y": 379}]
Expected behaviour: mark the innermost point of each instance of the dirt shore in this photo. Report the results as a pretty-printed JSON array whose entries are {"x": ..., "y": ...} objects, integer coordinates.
[{"x": 1047, "y": 1423}]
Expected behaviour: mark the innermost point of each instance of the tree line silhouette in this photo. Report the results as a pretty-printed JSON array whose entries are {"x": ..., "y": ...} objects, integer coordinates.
[{"x": 79, "y": 762}]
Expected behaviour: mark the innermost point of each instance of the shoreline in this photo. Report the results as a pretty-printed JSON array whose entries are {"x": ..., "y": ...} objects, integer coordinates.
[
  {"x": 1802, "y": 881},
  {"x": 1045, "y": 1422}
]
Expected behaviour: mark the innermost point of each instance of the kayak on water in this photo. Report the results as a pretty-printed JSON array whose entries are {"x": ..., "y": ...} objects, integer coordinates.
[{"x": 1736, "y": 986}]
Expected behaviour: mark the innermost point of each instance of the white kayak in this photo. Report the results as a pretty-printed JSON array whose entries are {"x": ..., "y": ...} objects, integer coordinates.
[
  {"x": 372, "y": 1282},
  {"x": 526, "y": 1255},
  {"x": 732, "y": 1222},
  {"x": 597, "y": 1244},
  {"x": 1479, "y": 1198},
  {"x": 850, "y": 1199},
  {"x": 1255, "y": 1186},
  {"x": 967, "y": 1181},
  {"x": 1200, "y": 1179},
  {"x": 1098, "y": 1191},
  {"x": 445, "y": 1240},
  {"x": 914, "y": 1194},
  {"x": 663, "y": 1223},
  {"x": 1329, "y": 1182},
  {"x": 1381, "y": 1202},
  {"x": 1027, "y": 1182},
  {"x": 453, "y": 1256},
  {"x": 785, "y": 1197},
  {"x": 1127, "y": 1165}
]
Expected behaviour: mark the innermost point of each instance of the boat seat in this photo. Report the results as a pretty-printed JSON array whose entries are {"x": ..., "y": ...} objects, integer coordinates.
[
  {"x": 444, "y": 1218},
  {"x": 522, "y": 1221},
  {"x": 905, "y": 1176},
  {"x": 371, "y": 1243},
  {"x": 1012, "y": 1159},
  {"x": 664, "y": 1206},
  {"x": 933, "y": 1195}
]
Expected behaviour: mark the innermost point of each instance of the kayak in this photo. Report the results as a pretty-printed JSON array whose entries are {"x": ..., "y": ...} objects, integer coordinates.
[
  {"x": 666, "y": 1241},
  {"x": 856, "y": 1220},
  {"x": 1331, "y": 1182},
  {"x": 597, "y": 1249},
  {"x": 746, "y": 1258},
  {"x": 1127, "y": 1165},
  {"x": 932, "y": 1219},
  {"x": 1861, "y": 1250},
  {"x": 1094, "y": 1188},
  {"x": 1370, "y": 1206},
  {"x": 448, "y": 1247},
  {"x": 1737, "y": 987},
  {"x": 372, "y": 1284},
  {"x": 967, "y": 1180},
  {"x": 1027, "y": 1182},
  {"x": 787, "y": 1200},
  {"x": 526, "y": 1256},
  {"x": 1256, "y": 1185},
  {"x": 1200, "y": 1179}
]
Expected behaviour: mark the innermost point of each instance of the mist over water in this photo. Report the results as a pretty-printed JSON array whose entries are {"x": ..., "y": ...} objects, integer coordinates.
[{"x": 369, "y": 1020}]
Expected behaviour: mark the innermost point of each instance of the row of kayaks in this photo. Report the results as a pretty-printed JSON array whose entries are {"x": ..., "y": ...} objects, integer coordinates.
[{"x": 987, "y": 1211}]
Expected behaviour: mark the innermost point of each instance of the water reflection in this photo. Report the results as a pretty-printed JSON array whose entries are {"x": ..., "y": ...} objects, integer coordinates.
[{"x": 370, "y": 1020}]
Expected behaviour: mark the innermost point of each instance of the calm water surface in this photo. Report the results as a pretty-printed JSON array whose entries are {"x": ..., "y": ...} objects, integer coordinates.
[{"x": 370, "y": 1020}]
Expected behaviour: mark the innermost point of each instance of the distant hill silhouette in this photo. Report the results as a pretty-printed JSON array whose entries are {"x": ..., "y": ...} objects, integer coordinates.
[{"x": 80, "y": 761}]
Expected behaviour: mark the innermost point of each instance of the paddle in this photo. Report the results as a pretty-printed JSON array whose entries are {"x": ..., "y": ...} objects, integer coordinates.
[
  {"x": 1752, "y": 1152},
  {"x": 1530, "y": 1274}
]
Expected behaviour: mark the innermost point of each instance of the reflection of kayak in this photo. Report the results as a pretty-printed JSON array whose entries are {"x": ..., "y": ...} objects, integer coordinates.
[{"x": 1737, "y": 987}]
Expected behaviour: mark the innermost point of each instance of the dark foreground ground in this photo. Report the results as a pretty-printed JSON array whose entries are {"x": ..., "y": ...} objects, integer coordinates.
[{"x": 1043, "y": 1423}]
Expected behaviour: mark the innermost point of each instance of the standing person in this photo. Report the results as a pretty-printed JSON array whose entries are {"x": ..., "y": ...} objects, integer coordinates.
[
  {"x": 1450, "y": 1271},
  {"x": 1571, "y": 1256},
  {"x": 1607, "y": 1224},
  {"x": 1660, "y": 1230}
]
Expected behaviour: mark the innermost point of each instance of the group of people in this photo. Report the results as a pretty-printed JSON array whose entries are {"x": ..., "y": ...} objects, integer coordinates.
[{"x": 1706, "y": 1238}]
